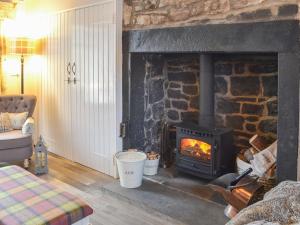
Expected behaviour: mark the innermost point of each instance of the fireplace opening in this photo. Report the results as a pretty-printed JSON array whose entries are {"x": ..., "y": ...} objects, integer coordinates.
[{"x": 207, "y": 127}]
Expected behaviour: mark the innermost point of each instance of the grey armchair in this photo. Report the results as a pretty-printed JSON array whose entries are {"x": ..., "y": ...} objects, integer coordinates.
[{"x": 14, "y": 145}]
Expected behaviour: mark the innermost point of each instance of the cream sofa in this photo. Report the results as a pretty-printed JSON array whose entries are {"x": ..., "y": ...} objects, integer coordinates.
[{"x": 14, "y": 145}]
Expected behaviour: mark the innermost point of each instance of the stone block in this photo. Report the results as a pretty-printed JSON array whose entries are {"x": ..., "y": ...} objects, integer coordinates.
[
  {"x": 263, "y": 68},
  {"x": 158, "y": 110},
  {"x": 180, "y": 105},
  {"x": 288, "y": 10},
  {"x": 163, "y": 3},
  {"x": 156, "y": 91},
  {"x": 235, "y": 122},
  {"x": 270, "y": 86},
  {"x": 176, "y": 94},
  {"x": 167, "y": 103},
  {"x": 179, "y": 14},
  {"x": 239, "y": 68},
  {"x": 197, "y": 8},
  {"x": 149, "y": 124},
  {"x": 185, "y": 77},
  {"x": 158, "y": 19},
  {"x": 238, "y": 4},
  {"x": 213, "y": 7},
  {"x": 221, "y": 85},
  {"x": 148, "y": 113},
  {"x": 157, "y": 64},
  {"x": 144, "y": 20},
  {"x": 190, "y": 89},
  {"x": 268, "y": 126},
  {"x": 174, "y": 85},
  {"x": 251, "y": 127},
  {"x": 245, "y": 86},
  {"x": 127, "y": 14},
  {"x": 272, "y": 107},
  {"x": 194, "y": 102},
  {"x": 252, "y": 118},
  {"x": 189, "y": 116},
  {"x": 224, "y": 105},
  {"x": 252, "y": 109},
  {"x": 244, "y": 99},
  {"x": 173, "y": 115},
  {"x": 223, "y": 69},
  {"x": 257, "y": 14}
]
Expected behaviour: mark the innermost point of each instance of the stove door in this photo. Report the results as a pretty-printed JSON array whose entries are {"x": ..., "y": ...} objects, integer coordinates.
[{"x": 196, "y": 148}]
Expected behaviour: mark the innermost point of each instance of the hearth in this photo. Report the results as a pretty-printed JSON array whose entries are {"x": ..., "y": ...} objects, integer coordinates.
[{"x": 206, "y": 153}]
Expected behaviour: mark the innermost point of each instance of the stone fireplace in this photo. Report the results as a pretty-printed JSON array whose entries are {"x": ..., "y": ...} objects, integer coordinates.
[
  {"x": 255, "y": 66},
  {"x": 245, "y": 94}
]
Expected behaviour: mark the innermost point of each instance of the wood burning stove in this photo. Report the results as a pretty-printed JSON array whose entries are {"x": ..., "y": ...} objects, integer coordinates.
[
  {"x": 206, "y": 153},
  {"x": 203, "y": 150}
]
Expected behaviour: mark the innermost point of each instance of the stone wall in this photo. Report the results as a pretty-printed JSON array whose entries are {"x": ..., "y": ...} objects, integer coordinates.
[
  {"x": 171, "y": 93},
  {"x": 245, "y": 94},
  {"x": 145, "y": 14}
]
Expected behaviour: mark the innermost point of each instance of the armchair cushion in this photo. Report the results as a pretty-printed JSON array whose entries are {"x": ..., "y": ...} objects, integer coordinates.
[
  {"x": 5, "y": 124},
  {"x": 28, "y": 127},
  {"x": 14, "y": 139},
  {"x": 18, "y": 119}
]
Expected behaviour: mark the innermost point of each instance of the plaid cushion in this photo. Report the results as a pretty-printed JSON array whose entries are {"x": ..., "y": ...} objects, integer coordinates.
[
  {"x": 26, "y": 199},
  {"x": 5, "y": 124}
]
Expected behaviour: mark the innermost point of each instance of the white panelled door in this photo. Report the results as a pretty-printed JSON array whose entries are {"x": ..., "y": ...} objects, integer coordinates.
[{"x": 79, "y": 91}]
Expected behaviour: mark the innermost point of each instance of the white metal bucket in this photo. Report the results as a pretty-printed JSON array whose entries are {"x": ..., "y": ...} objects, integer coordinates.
[
  {"x": 151, "y": 167},
  {"x": 131, "y": 168}
]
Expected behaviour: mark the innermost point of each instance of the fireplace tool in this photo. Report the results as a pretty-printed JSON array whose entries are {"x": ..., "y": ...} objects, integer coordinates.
[{"x": 239, "y": 191}]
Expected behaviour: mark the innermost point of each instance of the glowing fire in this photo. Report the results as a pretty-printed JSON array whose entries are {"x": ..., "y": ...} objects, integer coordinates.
[{"x": 196, "y": 148}]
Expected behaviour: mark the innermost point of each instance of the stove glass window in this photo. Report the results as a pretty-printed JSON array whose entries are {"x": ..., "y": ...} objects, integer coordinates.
[{"x": 195, "y": 148}]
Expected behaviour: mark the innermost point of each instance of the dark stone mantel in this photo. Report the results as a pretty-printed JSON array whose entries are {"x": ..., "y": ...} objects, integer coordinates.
[{"x": 280, "y": 37}]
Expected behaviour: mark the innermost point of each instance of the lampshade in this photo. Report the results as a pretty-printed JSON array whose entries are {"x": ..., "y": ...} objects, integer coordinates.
[{"x": 22, "y": 46}]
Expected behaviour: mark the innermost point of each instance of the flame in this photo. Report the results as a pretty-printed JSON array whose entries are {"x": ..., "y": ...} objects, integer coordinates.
[{"x": 196, "y": 148}]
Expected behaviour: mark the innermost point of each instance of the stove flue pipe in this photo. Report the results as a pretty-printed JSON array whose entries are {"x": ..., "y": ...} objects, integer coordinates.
[{"x": 207, "y": 97}]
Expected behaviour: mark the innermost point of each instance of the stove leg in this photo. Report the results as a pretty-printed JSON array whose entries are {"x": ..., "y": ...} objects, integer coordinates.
[{"x": 230, "y": 211}]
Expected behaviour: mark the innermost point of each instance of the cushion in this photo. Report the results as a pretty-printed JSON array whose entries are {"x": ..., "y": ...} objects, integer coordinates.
[
  {"x": 14, "y": 139},
  {"x": 18, "y": 119},
  {"x": 28, "y": 127},
  {"x": 5, "y": 124}
]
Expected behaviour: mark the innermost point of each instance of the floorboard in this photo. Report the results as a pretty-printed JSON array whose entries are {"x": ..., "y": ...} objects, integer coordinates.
[{"x": 87, "y": 184}]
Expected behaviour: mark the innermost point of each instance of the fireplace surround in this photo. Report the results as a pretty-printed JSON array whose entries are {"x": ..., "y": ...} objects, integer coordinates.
[{"x": 278, "y": 37}]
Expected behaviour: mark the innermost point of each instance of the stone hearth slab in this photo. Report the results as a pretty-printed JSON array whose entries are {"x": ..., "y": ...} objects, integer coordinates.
[{"x": 162, "y": 200}]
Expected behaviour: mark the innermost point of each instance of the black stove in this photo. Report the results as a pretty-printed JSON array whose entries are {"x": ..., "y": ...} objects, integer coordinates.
[{"x": 206, "y": 153}]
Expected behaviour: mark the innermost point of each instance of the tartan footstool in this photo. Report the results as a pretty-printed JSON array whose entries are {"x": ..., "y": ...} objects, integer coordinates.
[{"x": 26, "y": 199}]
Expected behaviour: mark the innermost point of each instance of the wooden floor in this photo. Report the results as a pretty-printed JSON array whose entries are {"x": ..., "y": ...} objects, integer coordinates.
[{"x": 87, "y": 183}]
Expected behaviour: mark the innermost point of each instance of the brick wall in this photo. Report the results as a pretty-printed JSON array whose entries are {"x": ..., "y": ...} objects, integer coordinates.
[{"x": 145, "y": 14}]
